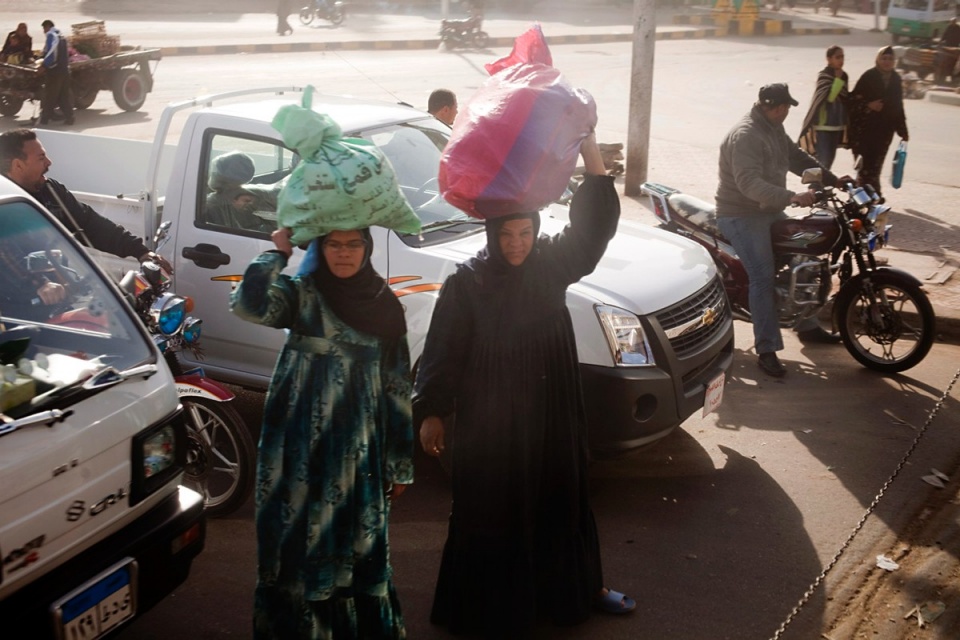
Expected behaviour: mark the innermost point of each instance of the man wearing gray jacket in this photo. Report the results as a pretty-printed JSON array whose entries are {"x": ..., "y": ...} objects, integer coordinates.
[{"x": 752, "y": 194}]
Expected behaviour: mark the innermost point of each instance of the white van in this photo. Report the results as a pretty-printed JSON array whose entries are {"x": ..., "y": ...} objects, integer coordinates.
[{"x": 94, "y": 525}]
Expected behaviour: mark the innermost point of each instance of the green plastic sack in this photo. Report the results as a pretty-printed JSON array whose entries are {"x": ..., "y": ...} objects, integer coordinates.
[{"x": 340, "y": 184}]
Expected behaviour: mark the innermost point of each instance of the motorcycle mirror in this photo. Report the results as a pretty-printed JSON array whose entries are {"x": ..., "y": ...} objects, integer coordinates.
[{"x": 814, "y": 174}]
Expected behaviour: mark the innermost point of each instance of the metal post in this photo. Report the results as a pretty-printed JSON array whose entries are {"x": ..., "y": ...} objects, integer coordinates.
[{"x": 641, "y": 94}]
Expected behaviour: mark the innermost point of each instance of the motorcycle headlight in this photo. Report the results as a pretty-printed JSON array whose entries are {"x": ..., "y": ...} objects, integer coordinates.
[
  {"x": 168, "y": 312},
  {"x": 191, "y": 330},
  {"x": 626, "y": 337},
  {"x": 860, "y": 196}
]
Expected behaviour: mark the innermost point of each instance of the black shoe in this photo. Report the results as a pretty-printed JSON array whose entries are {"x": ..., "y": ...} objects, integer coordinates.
[
  {"x": 44, "y": 121},
  {"x": 771, "y": 364},
  {"x": 69, "y": 121},
  {"x": 818, "y": 335}
]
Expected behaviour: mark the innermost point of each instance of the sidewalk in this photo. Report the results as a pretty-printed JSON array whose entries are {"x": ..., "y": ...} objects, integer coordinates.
[{"x": 382, "y": 26}]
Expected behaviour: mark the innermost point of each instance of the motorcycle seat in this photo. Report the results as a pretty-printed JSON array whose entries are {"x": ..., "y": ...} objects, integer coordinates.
[
  {"x": 698, "y": 212},
  {"x": 463, "y": 23}
]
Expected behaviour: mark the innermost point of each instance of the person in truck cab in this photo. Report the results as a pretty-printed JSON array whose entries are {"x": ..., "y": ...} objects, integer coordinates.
[
  {"x": 24, "y": 161},
  {"x": 232, "y": 202}
]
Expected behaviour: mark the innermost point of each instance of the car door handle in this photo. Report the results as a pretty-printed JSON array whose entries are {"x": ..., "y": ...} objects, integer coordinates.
[{"x": 206, "y": 256}]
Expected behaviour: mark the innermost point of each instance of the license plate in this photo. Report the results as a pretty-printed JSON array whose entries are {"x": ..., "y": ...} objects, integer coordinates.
[
  {"x": 99, "y": 605},
  {"x": 714, "y": 395}
]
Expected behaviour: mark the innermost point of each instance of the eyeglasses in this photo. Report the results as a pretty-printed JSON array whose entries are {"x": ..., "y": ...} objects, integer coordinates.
[{"x": 353, "y": 245}]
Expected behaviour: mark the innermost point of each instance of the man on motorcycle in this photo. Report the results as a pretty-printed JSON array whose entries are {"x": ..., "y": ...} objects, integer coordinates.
[
  {"x": 754, "y": 159},
  {"x": 24, "y": 161}
]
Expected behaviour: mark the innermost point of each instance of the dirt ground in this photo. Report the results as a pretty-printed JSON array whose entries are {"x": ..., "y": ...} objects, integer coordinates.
[{"x": 928, "y": 578}]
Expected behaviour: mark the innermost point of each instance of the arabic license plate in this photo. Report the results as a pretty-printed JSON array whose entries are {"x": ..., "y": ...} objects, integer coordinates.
[
  {"x": 98, "y": 606},
  {"x": 714, "y": 395}
]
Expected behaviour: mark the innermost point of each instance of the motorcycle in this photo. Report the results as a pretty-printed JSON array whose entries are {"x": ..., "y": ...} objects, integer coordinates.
[
  {"x": 221, "y": 456},
  {"x": 882, "y": 314},
  {"x": 467, "y": 32},
  {"x": 334, "y": 11}
]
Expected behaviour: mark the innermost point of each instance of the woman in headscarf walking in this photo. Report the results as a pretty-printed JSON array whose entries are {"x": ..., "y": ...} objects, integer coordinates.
[
  {"x": 336, "y": 442},
  {"x": 825, "y": 125},
  {"x": 501, "y": 354},
  {"x": 877, "y": 114}
]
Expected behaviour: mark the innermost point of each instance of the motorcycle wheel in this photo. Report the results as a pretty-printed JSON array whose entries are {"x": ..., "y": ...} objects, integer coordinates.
[
  {"x": 306, "y": 15},
  {"x": 480, "y": 39},
  {"x": 893, "y": 335},
  {"x": 337, "y": 14},
  {"x": 221, "y": 457}
]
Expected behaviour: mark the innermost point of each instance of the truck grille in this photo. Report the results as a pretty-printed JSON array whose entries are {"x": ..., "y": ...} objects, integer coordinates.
[{"x": 694, "y": 322}]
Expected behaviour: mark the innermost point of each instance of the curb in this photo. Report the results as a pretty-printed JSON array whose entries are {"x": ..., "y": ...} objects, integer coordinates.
[
  {"x": 944, "y": 97},
  {"x": 759, "y": 27}
]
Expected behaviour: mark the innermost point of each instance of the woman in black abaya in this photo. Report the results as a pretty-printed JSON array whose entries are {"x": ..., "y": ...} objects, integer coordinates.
[
  {"x": 501, "y": 352},
  {"x": 877, "y": 114}
]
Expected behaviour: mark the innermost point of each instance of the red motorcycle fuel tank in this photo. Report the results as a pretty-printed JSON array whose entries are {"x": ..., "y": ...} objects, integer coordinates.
[{"x": 814, "y": 234}]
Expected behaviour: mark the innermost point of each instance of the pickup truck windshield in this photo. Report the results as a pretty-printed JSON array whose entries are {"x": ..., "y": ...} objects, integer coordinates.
[
  {"x": 414, "y": 150},
  {"x": 60, "y": 322}
]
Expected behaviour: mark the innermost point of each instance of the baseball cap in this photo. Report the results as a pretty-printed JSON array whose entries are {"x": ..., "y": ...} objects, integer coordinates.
[{"x": 776, "y": 94}]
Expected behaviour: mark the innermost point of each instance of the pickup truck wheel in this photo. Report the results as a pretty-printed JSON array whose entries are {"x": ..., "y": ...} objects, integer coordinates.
[
  {"x": 10, "y": 106},
  {"x": 221, "y": 457},
  {"x": 129, "y": 89}
]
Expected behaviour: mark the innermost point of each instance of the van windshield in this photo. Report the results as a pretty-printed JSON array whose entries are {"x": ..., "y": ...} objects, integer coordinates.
[{"x": 60, "y": 321}]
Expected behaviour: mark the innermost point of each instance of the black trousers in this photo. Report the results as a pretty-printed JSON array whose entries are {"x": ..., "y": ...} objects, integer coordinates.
[
  {"x": 56, "y": 93},
  {"x": 874, "y": 152}
]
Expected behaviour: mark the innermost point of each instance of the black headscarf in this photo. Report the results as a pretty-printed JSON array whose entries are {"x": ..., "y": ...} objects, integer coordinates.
[
  {"x": 363, "y": 301},
  {"x": 489, "y": 261}
]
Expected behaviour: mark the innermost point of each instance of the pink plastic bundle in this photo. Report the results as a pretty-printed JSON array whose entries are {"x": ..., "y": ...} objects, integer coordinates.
[{"x": 516, "y": 141}]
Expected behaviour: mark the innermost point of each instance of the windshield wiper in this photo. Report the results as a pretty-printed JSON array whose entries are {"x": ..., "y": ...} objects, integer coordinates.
[
  {"x": 108, "y": 376},
  {"x": 48, "y": 418},
  {"x": 448, "y": 223},
  {"x": 75, "y": 392}
]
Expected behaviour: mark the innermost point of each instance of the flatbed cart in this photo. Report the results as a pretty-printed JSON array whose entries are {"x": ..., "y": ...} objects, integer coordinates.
[{"x": 126, "y": 71}]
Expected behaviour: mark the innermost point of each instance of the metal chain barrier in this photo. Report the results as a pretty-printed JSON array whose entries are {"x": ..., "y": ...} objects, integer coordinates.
[{"x": 863, "y": 519}]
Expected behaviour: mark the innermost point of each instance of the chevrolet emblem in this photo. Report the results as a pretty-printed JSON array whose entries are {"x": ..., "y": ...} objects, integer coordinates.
[{"x": 709, "y": 317}]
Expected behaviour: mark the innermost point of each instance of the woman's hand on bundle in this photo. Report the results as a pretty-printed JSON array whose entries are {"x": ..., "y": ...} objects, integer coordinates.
[
  {"x": 592, "y": 159},
  {"x": 281, "y": 240}
]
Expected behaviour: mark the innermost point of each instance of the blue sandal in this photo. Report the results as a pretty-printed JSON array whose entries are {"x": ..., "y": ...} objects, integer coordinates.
[{"x": 616, "y": 602}]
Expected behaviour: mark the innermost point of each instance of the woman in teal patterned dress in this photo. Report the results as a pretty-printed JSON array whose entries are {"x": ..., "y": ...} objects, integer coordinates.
[{"x": 336, "y": 442}]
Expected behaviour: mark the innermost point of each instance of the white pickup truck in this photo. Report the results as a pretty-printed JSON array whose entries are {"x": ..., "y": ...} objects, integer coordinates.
[
  {"x": 653, "y": 327},
  {"x": 94, "y": 525}
]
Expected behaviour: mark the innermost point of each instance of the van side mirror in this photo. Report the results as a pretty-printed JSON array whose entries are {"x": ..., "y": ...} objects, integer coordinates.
[{"x": 812, "y": 175}]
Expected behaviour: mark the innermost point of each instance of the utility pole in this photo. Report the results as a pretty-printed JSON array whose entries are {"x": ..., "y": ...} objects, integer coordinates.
[{"x": 641, "y": 95}]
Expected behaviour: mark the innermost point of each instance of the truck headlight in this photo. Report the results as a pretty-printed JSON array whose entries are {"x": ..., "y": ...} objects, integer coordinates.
[{"x": 626, "y": 337}]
